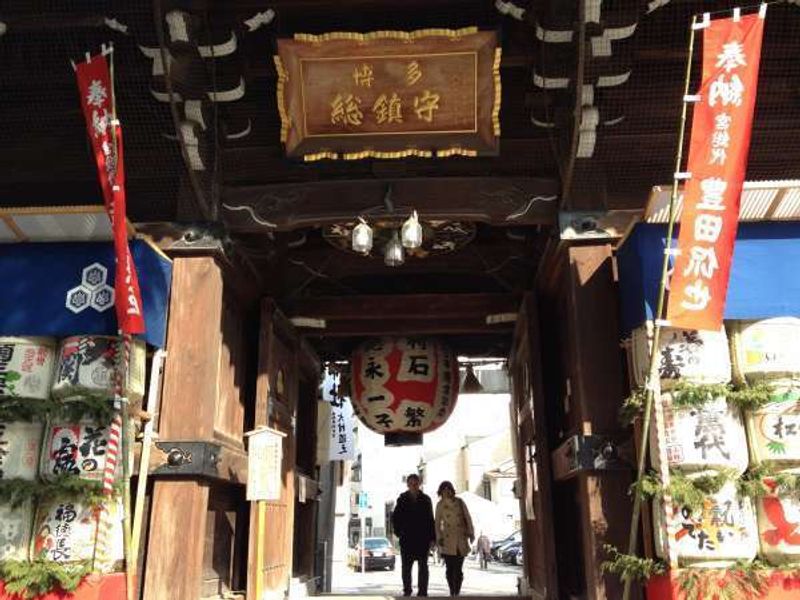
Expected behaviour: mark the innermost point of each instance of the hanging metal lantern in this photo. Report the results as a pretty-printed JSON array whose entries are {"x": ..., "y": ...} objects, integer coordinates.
[{"x": 404, "y": 387}]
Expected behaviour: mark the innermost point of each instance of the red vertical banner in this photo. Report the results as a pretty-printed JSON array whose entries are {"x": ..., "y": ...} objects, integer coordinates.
[
  {"x": 720, "y": 141},
  {"x": 105, "y": 134}
]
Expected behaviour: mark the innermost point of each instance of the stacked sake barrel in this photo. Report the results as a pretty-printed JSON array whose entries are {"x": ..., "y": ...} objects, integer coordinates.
[
  {"x": 767, "y": 353},
  {"x": 83, "y": 367},
  {"x": 698, "y": 441},
  {"x": 26, "y": 373}
]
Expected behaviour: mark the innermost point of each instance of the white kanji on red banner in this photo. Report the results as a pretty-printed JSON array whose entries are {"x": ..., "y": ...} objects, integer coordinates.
[
  {"x": 717, "y": 161},
  {"x": 94, "y": 84}
]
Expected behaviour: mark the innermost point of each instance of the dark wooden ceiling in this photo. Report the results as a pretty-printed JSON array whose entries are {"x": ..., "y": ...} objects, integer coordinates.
[{"x": 632, "y": 85}]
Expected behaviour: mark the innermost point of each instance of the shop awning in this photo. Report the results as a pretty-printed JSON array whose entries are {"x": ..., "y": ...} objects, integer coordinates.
[
  {"x": 765, "y": 277},
  {"x": 63, "y": 289}
]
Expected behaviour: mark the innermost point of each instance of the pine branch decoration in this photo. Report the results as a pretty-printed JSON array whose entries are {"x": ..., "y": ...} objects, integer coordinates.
[
  {"x": 31, "y": 579},
  {"x": 633, "y": 568}
]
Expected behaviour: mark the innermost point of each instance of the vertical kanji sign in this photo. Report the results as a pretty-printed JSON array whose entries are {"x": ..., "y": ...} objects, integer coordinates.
[
  {"x": 717, "y": 164},
  {"x": 105, "y": 134}
]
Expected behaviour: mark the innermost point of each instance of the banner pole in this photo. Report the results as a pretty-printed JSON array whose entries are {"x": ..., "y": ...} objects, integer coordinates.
[
  {"x": 127, "y": 446},
  {"x": 151, "y": 408},
  {"x": 261, "y": 525},
  {"x": 123, "y": 408},
  {"x": 652, "y": 380}
]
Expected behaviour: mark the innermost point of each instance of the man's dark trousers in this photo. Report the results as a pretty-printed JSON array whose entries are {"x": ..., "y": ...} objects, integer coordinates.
[{"x": 407, "y": 560}]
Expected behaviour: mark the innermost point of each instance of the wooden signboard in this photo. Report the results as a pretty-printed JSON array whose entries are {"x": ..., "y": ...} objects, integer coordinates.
[
  {"x": 389, "y": 94},
  {"x": 265, "y": 455}
]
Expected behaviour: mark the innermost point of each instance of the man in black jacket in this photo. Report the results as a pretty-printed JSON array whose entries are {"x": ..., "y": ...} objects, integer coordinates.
[{"x": 413, "y": 523}]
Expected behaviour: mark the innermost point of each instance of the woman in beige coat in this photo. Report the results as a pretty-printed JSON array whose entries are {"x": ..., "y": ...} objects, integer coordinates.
[{"x": 454, "y": 534}]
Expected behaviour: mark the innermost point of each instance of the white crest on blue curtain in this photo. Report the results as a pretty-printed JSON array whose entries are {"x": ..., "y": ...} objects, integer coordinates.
[{"x": 93, "y": 291}]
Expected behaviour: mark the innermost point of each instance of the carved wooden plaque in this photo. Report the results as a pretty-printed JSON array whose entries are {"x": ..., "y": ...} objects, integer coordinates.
[{"x": 389, "y": 94}]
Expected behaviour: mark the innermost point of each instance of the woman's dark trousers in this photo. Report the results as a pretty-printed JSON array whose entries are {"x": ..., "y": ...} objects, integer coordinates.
[{"x": 454, "y": 566}]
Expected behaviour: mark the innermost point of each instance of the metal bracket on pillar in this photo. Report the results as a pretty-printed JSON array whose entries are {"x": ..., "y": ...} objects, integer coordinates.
[
  {"x": 589, "y": 225},
  {"x": 198, "y": 460},
  {"x": 582, "y": 453}
]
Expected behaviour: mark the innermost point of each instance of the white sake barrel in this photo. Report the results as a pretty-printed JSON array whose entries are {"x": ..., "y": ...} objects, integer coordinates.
[
  {"x": 773, "y": 431},
  {"x": 20, "y": 443},
  {"x": 683, "y": 355},
  {"x": 766, "y": 350},
  {"x": 708, "y": 438},
  {"x": 26, "y": 367},
  {"x": 75, "y": 449},
  {"x": 87, "y": 364},
  {"x": 66, "y": 532},
  {"x": 778, "y": 527},
  {"x": 15, "y": 531},
  {"x": 721, "y": 533}
]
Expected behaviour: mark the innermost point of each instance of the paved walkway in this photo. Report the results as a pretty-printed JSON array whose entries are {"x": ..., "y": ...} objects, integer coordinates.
[{"x": 497, "y": 580}]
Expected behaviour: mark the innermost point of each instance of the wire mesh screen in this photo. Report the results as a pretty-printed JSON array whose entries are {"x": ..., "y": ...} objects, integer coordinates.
[
  {"x": 45, "y": 156},
  {"x": 639, "y": 151}
]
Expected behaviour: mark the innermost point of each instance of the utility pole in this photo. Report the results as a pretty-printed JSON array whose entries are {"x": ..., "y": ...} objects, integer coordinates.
[{"x": 362, "y": 507}]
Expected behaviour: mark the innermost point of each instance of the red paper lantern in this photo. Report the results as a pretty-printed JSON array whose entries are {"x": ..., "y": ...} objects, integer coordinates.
[{"x": 404, "y": 387}]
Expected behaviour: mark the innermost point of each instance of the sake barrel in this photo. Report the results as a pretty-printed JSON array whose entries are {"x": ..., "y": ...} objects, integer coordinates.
[
  {"x": 78, "y": 449},
  {"x": 87, "y": 364},
  {"x": 683, "y": 355},
  {"x": 768, "y": 349},
  {"x": 701, "y": 439},
  {"x": 773, "y": 431},
  {"x": 66, "y": 532},
  {"x": 720, "y": 533},
  {"x": 15, "y": 531},
  {"x": 26, "y": 367},
  {"x": 778, "y": 526},
  {"x": 20, "y": 442}
]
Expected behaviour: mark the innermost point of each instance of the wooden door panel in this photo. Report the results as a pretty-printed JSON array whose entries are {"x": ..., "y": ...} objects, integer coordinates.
[
  {"x": 229, "y": 418},
  {"x": 533, "y": 464},
  {"x": 276, "y": 406}
]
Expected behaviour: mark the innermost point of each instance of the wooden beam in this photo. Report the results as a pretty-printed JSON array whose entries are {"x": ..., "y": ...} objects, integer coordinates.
[
  {"x": 411, "y": 307},
  {"x": 497, "y": 200},
  {"x": 389, "y": 326}
]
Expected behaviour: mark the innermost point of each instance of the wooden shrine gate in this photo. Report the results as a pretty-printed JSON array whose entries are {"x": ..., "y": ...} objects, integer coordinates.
[{"x": 232, "y": 365}]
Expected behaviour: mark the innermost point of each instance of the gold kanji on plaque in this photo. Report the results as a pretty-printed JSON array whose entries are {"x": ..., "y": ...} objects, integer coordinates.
[
  {"x": 345, "y": 110},
  {"x": 413, "y": 73},
  {"x": 426, "y": 105},
  {"x": 388, "y": 110},
  {"x": 363, "y": 75}
]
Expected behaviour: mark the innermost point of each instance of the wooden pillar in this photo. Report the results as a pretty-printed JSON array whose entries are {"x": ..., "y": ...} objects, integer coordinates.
[
  {"x": 596, "y": 384},
  {"x": 530, "y": 422},
  {"x": 276, "y": 406},
  {"x": 584, "y": 381},
  {"x": 191, "y": 374}
]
